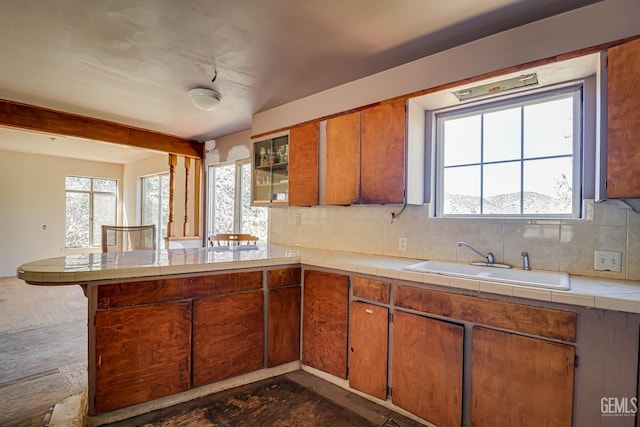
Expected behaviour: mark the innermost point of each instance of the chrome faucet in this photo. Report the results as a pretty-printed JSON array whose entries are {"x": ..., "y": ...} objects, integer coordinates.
[
  {"x": 525, "y": 261},
  {"x": 489, "y": 257}
]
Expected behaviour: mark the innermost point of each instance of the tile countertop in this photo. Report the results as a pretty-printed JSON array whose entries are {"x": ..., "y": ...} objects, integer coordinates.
[{"x": 620, "y": 295}]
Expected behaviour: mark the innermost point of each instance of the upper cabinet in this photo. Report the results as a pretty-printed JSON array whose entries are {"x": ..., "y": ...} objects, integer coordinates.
[
  {"x": 365, "y": 160},
  {"x": 383, "y": 158},
  {"x": 623, "y": 180},
  {"x": 303, "y": 165},
  {"x": 342, "y": 181},
  {"x": 271, "y": 171}
]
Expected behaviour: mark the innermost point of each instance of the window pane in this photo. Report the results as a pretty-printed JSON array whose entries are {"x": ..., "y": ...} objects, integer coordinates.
[
  {"x": 462, "y": 141},
  {"x": 253, "y": 220},
  {"x": 461, "y": 190},
  {"x": 77, "y": 220},
  {"x": 164, "y": 209},
  {"x": 104, "y": 213},
  {"x": 501, "y": 135},
  {"x": 151, "y": 200},
  {"x": 548, "y": 186},
  {"x": 501, "y": 192},
  {"x": 223, "y": 199},
  {"x": 77, "y": 183},
  {"x": 548, "y": 128},
  {"x": 107, "y": 185}
]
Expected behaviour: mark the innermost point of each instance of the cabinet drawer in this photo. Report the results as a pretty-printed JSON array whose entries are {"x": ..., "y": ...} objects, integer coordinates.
[
  {"x": 372, "y": 290},
  {"x": 283, "y": 277},
  {"x": 145, "y": 292},
  {"x": 216, "y": 284},
  {"x": 544, "y": 322}
]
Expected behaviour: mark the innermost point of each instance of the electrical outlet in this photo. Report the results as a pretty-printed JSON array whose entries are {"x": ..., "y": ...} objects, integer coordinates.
[
  {"x": 607, "y": 261},
  {"x": 402, "y": 244}
]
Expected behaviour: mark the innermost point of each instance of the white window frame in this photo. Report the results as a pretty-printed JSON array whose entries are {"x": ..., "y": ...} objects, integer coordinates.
[
  {"x": 159, "y": 235},
  {"x": 575, "y": 89},
  {"x": 91, "y": 192},
  {"x": 237, "y": 199}
]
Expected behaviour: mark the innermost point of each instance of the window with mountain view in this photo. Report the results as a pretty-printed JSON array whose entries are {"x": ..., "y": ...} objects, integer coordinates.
[{"x": 518, "y": 157}]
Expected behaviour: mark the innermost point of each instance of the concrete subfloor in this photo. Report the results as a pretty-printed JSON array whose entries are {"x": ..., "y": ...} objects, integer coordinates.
[{"x": 43, "y": 349}]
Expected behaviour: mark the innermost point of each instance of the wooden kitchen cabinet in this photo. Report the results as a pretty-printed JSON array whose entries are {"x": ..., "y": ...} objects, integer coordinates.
[
  {"x": 283, "y": 326},
  {"x": 369, "y": 334},
  {"x": 623, "y": 152},
  {"x": 141, "y": 353},
  {"x": 270, "y": 176},
  {"x": 520, "y": 381},
  {"x": 342, "y": 182},
  {"x": 383, "y": 153},
  {"x": 228, "y": 336},
  {"x": 303, "y": 165},
  {"x": 426, "y": 370},
  {"x": 325, "y": 322}
]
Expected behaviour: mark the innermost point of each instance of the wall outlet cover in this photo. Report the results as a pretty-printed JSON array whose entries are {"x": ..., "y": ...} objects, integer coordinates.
[{"x": 402, "y": 244}]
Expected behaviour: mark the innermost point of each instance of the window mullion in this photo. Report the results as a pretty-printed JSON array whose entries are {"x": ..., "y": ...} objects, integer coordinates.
[
  {"x": 481, "y": 164},
  {"x": 521, "y": 160}
]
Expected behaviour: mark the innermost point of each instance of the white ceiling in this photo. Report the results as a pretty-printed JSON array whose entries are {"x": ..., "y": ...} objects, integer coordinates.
[{"x": 133, "y": 61}]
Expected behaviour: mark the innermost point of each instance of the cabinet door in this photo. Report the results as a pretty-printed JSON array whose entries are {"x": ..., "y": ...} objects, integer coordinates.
[
  {"x": 342, "y": 182},
  {"x": 283, "y": 336},
  {"x": 383, "y": 158},
  {"x": 623, "y": 180},
  {"x": 324, "y": 324},
  {"x": 303, "y": 165},
  {"x": 142, "y": 353},
  {"x": 228, "y": 336},
  {"x": 369, "y": 335},
  {"x": 520, "y": 381},
  {"x": 426, "y": 371}
]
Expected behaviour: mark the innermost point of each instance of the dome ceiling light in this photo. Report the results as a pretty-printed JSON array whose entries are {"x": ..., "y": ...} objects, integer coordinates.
[{"x": 204, "y": 98}]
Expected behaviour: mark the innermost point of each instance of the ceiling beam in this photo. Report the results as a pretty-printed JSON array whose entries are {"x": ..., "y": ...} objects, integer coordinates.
[{"x": 30, "y": 117}]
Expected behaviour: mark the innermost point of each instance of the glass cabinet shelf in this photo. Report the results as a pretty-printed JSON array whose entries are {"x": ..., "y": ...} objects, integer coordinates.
[{"x": 270, "y": 183}]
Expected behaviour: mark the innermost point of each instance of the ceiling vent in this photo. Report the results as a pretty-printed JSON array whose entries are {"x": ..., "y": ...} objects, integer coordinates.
[{"x": 497, "y": 87}]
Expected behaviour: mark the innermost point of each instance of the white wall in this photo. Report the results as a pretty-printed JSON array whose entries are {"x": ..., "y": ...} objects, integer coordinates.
[
  {"x": 235, "y": 146},
  {"x": 565, "y": 245},
  {"x": 32, "y": 195}
]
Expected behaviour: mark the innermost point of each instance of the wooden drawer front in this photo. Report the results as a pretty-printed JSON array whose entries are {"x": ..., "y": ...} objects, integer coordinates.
[
  {"x": 325, "y": 322},
  {"x": 146, "y": 292},
  {"x": 284, "y": 277},
  {"x": 216, "y": 284},
  {"x": 544, "y": 322},
  {"x": 142, "y": 353},
  {"x": 283, "y": 337},
  {"x": 426, "y": 368},
  {"x": 228, "y": 337},
  {"x": 369, "y": 332},
  {"x": 518, "y": 380},
  {"x": 373, "y": 290}
]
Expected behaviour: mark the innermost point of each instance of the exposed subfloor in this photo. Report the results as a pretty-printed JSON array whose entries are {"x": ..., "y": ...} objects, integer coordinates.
[
  {"x": 43, "y": 349},
  {"x": 296, "y": 399}
]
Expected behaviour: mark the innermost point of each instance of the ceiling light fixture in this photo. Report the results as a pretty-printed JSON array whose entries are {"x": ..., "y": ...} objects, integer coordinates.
[{"x": 205, "y": 99}]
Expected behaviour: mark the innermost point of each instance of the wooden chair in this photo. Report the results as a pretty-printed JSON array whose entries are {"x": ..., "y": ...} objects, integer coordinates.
[
  {"x": 128, "y": 238},
  {"x": 232, "y": 239}
]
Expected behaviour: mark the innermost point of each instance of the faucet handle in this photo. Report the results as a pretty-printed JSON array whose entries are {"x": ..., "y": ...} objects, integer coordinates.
[
  {"x": 525, "y": 261},
  {"x": 491, "y": 258}
]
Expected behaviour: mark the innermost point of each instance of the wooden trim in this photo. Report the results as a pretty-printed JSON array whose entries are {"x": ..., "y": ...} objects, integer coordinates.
[
  {"x": 39, "y": 119},
  {"x": 497, "y": 73},
  {"x": 197, "y": 197},
  {"x": 528, "y": 319}
]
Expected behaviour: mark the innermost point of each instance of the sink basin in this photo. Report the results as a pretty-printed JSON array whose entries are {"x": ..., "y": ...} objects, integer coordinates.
[{"x": 530, "y": 278}]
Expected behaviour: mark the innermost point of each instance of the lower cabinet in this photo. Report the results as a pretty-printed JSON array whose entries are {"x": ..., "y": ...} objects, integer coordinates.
[
  {"x": 325, "y": 322},
  {"x": 141, "y": 353},
  {"x": 228, "y": 336},
  {"x": 520, "y": 381},
  {"x": 369, "y": 334},
  {"x": 283, "y": 336},
  {"x": 426, "y": 372}
]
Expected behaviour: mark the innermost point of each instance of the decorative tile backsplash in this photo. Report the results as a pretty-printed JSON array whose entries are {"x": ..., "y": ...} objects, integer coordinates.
[{"x": 557, "y": 245}]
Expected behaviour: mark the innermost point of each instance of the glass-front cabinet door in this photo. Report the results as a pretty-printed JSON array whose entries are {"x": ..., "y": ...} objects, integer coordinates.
[{"x": 271, "y": 171}]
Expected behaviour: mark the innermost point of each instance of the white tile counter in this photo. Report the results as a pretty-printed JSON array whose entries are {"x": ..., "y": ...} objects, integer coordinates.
[{"x": 608, "y": 294}]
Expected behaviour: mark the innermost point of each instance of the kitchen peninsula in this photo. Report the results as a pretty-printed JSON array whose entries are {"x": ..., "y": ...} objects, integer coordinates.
[{"x": 168, "y": 326}]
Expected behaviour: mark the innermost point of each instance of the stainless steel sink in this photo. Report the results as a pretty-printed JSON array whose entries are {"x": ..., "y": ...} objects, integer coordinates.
[{"x": 530, "y": 278}]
